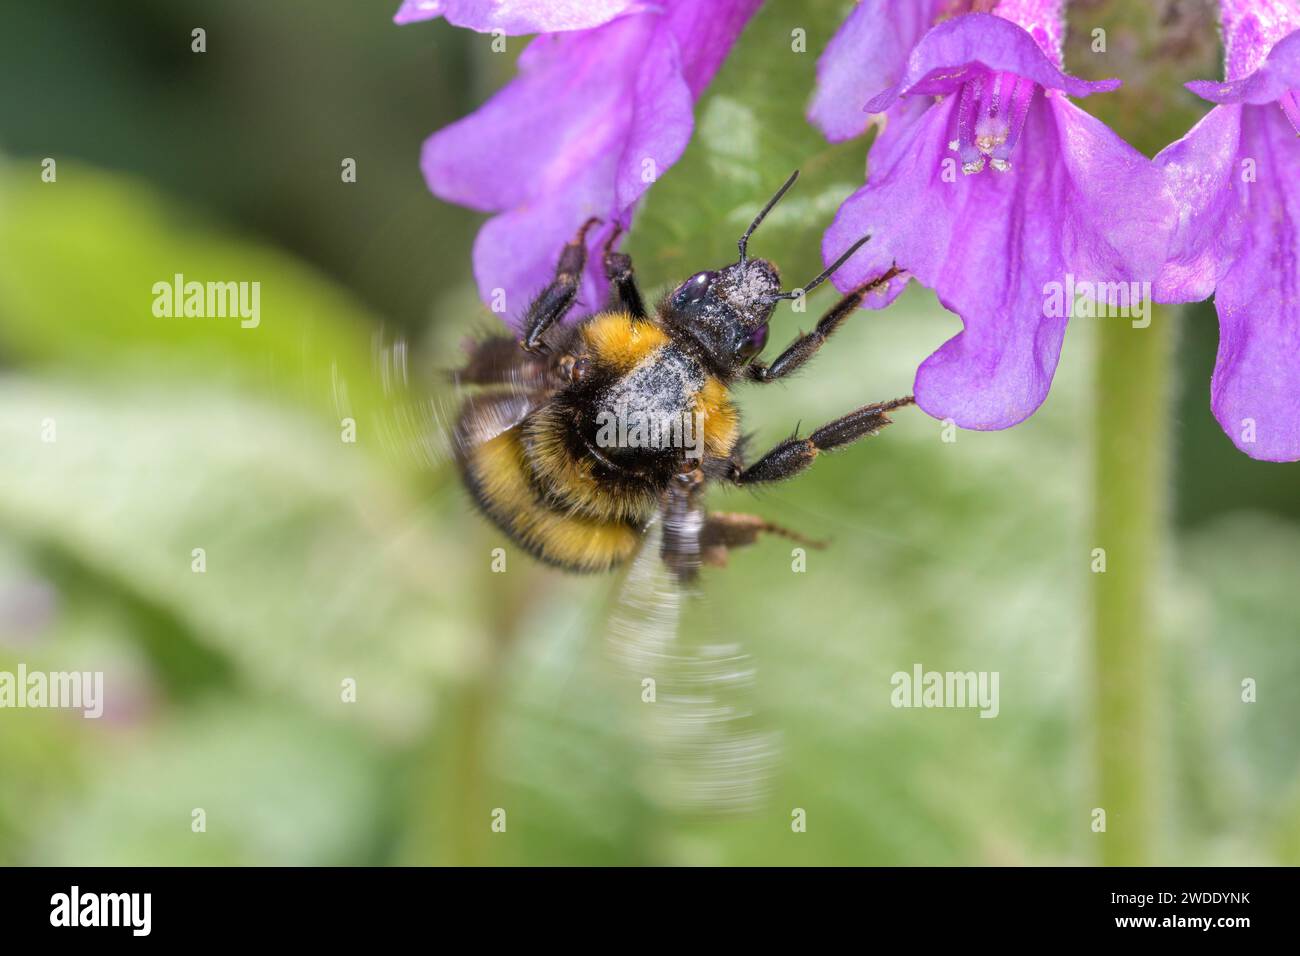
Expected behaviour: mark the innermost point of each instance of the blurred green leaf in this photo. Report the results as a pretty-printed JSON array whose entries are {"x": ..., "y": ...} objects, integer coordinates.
[
  {"x": 318, "y": 568},
  {"x": 79, "y": 259},
  {"x": 273, "y": 791}
]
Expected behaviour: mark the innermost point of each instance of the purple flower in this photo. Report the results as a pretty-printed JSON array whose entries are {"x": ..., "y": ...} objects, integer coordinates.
[
  {"x": 518, "y": 16},
  {"x": 993, "y": 189},
  {"x": 1236, "y": 180},
  {"x": 868, "y": 54},
  {"x": 595, "y": 116}
]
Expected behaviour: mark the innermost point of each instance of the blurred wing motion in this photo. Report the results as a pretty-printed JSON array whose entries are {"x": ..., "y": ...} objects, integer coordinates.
[
  {"x": 709, "y": 752},
  {"x": 420, "y": 423},
  {"x": 408, "y": 421}
]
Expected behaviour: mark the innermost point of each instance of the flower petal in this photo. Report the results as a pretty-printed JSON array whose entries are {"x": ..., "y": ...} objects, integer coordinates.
[
  {"x": 1044, "y": 20},
  {"x": 705, "y": 33},
  {"x": 1077, "y": 203},
  {"x": 515, "y": 253},
  {"x": 1279, "y": 72},
  {"x": 591, "y": 121},
  {"x": 1203, "y": 181},
  {"x": 866, "y": 55},
  {"x": 1116, "y": 215},
  {"x": 1251, "y": 28},
  {"x": 905, "y": 187},
  {"x": 1255, "y": 392},
  {"x": 518, "y": 16},
  {"x": 954, "y": 50},
  {"x": 593, "y": 118},
  {"x": 568, "y": 111},
  {"x": 660, "y": 126}
]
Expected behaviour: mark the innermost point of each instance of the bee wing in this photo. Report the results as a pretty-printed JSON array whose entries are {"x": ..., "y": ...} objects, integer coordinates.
[
  {"x": 488, "y": 414},
  {"x": 428, "y": 422},
  {"x": 499, "y": 361},
  {"x": 510, "y": 382},
  {"x": 710, "y": 751}
]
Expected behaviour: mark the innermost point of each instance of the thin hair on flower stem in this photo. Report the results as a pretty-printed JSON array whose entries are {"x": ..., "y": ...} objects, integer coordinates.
[{"x": 744, "y": 240}]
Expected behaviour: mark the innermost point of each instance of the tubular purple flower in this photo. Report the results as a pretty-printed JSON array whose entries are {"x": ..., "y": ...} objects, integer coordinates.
[
  {"x": 594, "y": 117},
  {"x": 1235, "y": 178},
  {"x": 999, "y": 194},
  {"x": 517, "y": 16},
  {"x": 868, "y": 54}
]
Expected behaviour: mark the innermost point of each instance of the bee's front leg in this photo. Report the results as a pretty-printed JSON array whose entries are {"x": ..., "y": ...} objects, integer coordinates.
[
  {"x": 556, "y": 299},
  {"x": 623, "y": 291},
  {"x": 805, "y": 346}
]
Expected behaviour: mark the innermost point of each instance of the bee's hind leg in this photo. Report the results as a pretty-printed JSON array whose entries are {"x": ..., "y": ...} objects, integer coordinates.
[
  {"x": 724, "y": 531},
  {"x": 682, "y": 512},
  {"x": 555, "y": 300},
  {"x": 623, "y": 291}
]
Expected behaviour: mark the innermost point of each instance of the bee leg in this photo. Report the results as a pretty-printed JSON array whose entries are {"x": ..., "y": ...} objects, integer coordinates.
[
  {"x": 623, "y": 291},
  {"x": 553, "y": 301},
  {"x": 682, "y": 513},
  {"x": 726, "y": 530},
  {"x": 805, "y": 346},
  {"x": 795, "y": 454}
]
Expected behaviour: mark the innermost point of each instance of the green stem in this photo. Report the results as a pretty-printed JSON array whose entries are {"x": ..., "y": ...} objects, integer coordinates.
[
  {"x": 453, "y": 791},
  {"x": 1130, "y": 491}
]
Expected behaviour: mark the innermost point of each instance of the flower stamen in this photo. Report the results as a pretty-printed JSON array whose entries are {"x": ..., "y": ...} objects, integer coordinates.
[
  {"x": 990, "y": 118},
  {"x": 964, "y": 145},
  {"x": 1021, "y": 95},
  {"x": 1290, "y": 103},
  {"x": 990, "y": 130}
]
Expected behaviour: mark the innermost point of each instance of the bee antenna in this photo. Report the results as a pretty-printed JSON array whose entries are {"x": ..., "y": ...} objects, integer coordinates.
[
  {"x": 744, "y": 240},
  {"x": 826, "y": 273}
]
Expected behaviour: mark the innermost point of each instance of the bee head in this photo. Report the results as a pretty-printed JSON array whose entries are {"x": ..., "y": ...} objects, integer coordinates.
[{"x": 725, "y": 312}]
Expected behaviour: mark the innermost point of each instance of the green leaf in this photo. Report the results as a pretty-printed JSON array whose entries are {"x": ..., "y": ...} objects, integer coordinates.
[
  {"x": 79, "y": 260},
  {"x": 264, "y": 784},
  {"x": 317, "y": 567}
]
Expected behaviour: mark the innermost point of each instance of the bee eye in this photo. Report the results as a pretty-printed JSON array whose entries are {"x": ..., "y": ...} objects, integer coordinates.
[
  {"x": 694, "y": 289},
  {"x": 753, "y": 344}
]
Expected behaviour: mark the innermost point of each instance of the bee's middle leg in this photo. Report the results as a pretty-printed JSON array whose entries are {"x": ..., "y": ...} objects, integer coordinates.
[{"x": 795, "y": 454}]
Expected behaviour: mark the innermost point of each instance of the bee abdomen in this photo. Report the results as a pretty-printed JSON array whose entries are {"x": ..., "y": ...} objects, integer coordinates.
[
  {"x": 564, "y": 473},
  {"x": 504, "y": 486}
]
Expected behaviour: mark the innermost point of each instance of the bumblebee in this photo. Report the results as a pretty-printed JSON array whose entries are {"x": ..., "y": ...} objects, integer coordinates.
[{"x": 580, "y": 436}]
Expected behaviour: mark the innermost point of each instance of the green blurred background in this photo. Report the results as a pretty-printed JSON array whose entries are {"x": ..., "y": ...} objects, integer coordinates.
[{"x": 329, "y": 561}]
